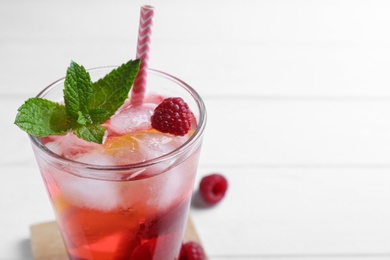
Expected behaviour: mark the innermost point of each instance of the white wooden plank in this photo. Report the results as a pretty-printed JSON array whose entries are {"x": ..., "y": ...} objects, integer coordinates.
[
  {"x": 339, "y": 21},
  {"x": 294, "y": 70},
  {"x": 221, "y": 70},
  {"x": 274, "y": 48},
  {"x": 303, "y": 212},
  {"x": 297, "y": 132}
]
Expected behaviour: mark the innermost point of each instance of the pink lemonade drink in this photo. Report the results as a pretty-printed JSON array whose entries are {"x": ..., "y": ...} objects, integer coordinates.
[{"x": 127, "y": 198}]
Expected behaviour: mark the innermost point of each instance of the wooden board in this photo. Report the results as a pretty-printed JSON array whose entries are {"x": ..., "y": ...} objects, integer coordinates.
[{"x": 47, "y": 244}]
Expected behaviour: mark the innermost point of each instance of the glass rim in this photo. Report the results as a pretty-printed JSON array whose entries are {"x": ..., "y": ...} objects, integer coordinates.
[{"x": 196, "y": 136}]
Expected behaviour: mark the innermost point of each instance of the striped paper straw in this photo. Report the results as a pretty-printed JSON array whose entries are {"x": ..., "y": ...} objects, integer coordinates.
[{"x": 143, "y": 50}]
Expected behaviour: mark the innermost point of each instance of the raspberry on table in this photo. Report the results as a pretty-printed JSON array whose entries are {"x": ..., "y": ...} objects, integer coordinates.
[
  {"x": 213, "y": 187},
  {"x": 192, "y": 251},
  {"x": 172, "y": 116}
]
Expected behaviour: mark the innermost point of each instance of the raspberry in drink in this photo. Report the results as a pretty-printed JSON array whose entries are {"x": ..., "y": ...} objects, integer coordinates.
[{"x": 127, "y": 198}]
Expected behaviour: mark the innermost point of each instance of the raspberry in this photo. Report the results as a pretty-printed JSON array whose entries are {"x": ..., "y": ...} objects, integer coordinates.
[
  {"x": 172, "y": 116},
  {"x": 213, "y": 188},
  {"x": 192, "y": 251}
]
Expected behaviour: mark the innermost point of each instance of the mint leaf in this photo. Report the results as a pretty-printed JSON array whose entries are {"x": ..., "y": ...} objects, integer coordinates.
[
  {"x": 91, "y": 133},
  {"x": 90, "y": 103},
  {"x": 110, "y": 92},
  {"x": 41, "y": 117},
  {"x": 99, "y": 115},
  {"x": 87, "y": 104},
  {"x": 77, "y": 90},
  {"x": 84, "y": 119}
]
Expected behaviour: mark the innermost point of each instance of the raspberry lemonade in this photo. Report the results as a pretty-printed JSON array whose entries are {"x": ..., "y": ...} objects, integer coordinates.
[{"x": 126, "y": 197}]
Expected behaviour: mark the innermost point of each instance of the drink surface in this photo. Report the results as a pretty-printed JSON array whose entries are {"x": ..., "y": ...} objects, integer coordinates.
[
  {"x": 129, "y": 139},
  {"x": 139, "y": 215}
]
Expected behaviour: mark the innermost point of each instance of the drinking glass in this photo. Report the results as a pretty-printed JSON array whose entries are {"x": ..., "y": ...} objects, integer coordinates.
[{"x": 133, "y": 211}]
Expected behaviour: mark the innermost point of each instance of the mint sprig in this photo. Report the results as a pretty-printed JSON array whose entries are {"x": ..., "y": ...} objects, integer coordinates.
[
  {"x": 41, "y": 117},
  {"x": 87, "y": 104}
]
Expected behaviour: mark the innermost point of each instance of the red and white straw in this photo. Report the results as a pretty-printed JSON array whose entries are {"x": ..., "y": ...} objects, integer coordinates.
[{"x": 143, "y": 50}]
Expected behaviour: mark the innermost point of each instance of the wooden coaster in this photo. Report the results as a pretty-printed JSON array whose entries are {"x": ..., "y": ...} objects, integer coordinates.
[{"x": 46, "y": 241}]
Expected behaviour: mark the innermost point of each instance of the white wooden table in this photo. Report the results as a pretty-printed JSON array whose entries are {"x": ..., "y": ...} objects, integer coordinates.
[{"x": 298, "y": 96}]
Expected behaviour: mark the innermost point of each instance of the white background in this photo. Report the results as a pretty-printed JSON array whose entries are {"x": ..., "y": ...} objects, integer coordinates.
[{"x": 298, "y": 98}]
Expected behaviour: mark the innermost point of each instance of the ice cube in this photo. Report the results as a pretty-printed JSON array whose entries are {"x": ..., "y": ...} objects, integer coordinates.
[
  {"x": 90, "y": 193},
  {"x": 96, "y": 157},
  {"x": 154, "y": 145},
  {"x": 131, "y": 119},
  {"x": 179, "y": 181},
  {"x": 123, "y": 149},
  {"x": 70, "y": 146},
  {"x": 153, "y": 98}
]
